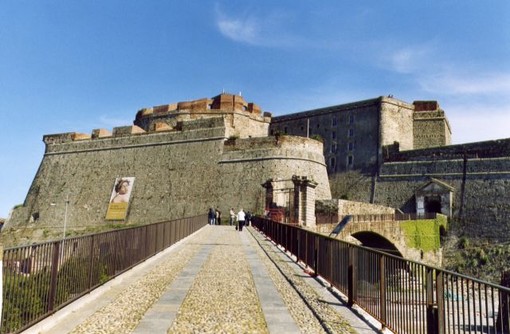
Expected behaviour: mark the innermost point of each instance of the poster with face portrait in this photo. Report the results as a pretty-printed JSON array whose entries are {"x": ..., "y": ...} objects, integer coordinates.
[{"x": 119, "y": 198}]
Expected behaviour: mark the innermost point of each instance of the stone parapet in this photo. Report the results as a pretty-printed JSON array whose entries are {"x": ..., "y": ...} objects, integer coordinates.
[
  {"x": 447, "y": 168},
  {"x": 486, "y": 149}
]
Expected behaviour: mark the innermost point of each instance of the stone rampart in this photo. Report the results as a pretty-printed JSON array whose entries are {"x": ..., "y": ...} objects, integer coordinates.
[
  {"x": 486, "y": 149},
  {"x": 177, "y": 173},
  {"x": 251, "y": 162},
  {"x": 480, "y": 197}
]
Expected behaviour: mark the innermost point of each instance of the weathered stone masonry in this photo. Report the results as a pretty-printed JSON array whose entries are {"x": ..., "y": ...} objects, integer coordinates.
[
  {"x": 204, "y": 159},
  {"x": 189, "y": 156},
  {"x": 479, "y": 174}
]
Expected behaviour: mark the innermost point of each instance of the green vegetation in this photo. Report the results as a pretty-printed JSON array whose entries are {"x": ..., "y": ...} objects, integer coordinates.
[
  {"x": 318, "y": 138},
  {"x": 478, "y": 258},
  {"x": 424, "y": 234},
  {"x": 73, "y": 279}
]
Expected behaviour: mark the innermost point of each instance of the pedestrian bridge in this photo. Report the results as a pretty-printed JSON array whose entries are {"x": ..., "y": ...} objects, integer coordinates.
[
  {"x": 189, "y": 277},
  {"x": 218, "y": 280}
]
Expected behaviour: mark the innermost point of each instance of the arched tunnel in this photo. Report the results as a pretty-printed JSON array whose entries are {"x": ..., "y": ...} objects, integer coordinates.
[{"x": 377, "y": 242}]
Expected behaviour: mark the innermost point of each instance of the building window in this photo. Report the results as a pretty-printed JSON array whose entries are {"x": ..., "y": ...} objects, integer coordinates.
[
  {"x": 333, "y": 135},
  {"x": 351, "y": 119},
  {"x": 332, "y": 162},
  {"x": 333, "y": 121},
  {"x": 333, "y": 147},
  {"x": 350, "y": 146},
  {"x": 350, "y": 161},
  {"x": 285, "y": 130},
  {"x": 351, "y": 132}
]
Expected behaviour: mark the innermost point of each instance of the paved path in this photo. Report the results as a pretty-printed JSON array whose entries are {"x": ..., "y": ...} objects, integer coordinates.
[{"x": 216, "y": 281}]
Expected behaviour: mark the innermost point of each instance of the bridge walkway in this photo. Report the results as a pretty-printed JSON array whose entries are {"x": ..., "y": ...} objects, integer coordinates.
[{"x": 218, "y": 280}]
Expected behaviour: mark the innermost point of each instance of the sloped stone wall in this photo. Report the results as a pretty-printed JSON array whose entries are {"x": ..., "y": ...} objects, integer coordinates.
[{"x": 177, "y": 174}]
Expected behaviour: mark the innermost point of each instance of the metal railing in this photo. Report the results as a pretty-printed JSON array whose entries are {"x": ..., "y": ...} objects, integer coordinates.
[
  {"x": 403, "y": 295},
  {"x": 42, "y": 278}
]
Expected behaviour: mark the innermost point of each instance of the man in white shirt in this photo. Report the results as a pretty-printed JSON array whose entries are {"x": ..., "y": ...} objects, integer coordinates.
[{"x": 240, "y": 219}]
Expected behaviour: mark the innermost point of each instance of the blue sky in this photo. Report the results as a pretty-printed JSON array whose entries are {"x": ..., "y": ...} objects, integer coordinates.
[{"x": 80, "y": 65}]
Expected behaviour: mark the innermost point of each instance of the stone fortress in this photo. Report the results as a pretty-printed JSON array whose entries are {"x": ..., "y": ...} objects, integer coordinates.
[
  {"x": 182, "y": 159},
  {"x": 403, "y": 152},
  {"x": 223, "y": 152}
]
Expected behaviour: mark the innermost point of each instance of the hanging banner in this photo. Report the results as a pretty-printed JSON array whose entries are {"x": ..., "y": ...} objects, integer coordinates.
[{"x": 119, "y": 199}]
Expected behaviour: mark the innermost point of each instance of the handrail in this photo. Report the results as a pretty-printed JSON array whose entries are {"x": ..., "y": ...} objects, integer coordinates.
[
  {"x": 403, "y": 295},
  {"x": 42, "y": 278}
]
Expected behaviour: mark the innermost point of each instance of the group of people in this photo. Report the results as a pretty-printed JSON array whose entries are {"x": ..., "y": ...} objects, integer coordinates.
[
  {"x": 239, "y": 219},
  {"x": 214, "y": 216}
]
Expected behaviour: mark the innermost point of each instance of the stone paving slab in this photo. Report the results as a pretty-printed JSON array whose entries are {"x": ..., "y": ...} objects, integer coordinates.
[{"x": 277, "y": 316}]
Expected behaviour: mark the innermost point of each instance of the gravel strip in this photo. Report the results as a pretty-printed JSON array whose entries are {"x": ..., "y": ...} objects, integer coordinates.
[
  {"x": 223, "y": 297},
  {"x": 315, "y": 311}
]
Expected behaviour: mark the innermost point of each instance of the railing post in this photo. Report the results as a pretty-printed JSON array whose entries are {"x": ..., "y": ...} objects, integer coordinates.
[
  {"x": 91, "y": 264},
  {"x": 432, "y": 314},
  {"x": 382, "y": 289},
  {"x": 53, "y": 279},
  {"x": 146, "y": 241},
  {"x": 315, "y": 255},
  {"x": 352, "y": 276},
  {"x": 503, "y": 320},
  {"x": 298, "y": 245},
  {"x": 440, "y": 302}
]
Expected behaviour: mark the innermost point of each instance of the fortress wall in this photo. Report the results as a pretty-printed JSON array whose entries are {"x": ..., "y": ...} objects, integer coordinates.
[
  {"x": 161, "y": 163},
  {"x": 480, "y": 203},
  {"x": 251, "y": 162},
  {"x": 176, "y": 174},
  {"x": 454, "y": 167},
  {"x": 486, "y": 149}
]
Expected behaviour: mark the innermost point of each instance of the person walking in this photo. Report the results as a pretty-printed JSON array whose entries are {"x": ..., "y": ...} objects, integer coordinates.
[
  {"x": 248, "y": 218},
  {"x": 211, "y": 216},
  {"x": 218, "y": 216},
  {"x": 232, "y": 217},
  {"x": 240, "y": 218}
]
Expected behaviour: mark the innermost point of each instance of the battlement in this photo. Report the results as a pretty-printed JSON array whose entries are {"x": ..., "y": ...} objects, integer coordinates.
[
  {"x": 68, "y": 137},
  {"x": 224, "y": 102},
  {"x": 241, "y": 119}
]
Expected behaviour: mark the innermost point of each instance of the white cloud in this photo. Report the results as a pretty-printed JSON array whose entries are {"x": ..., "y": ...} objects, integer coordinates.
[
  {"x": 467, "y": 83},
  {"x": 410, "y": 59},
  {"x": 434, "y": 74},
  {"x": 475, "y": 97},
  {"x": 268, "y": 30},
  {"x": 479, "y": 122},
  {"x": 239, "y": 30}
]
